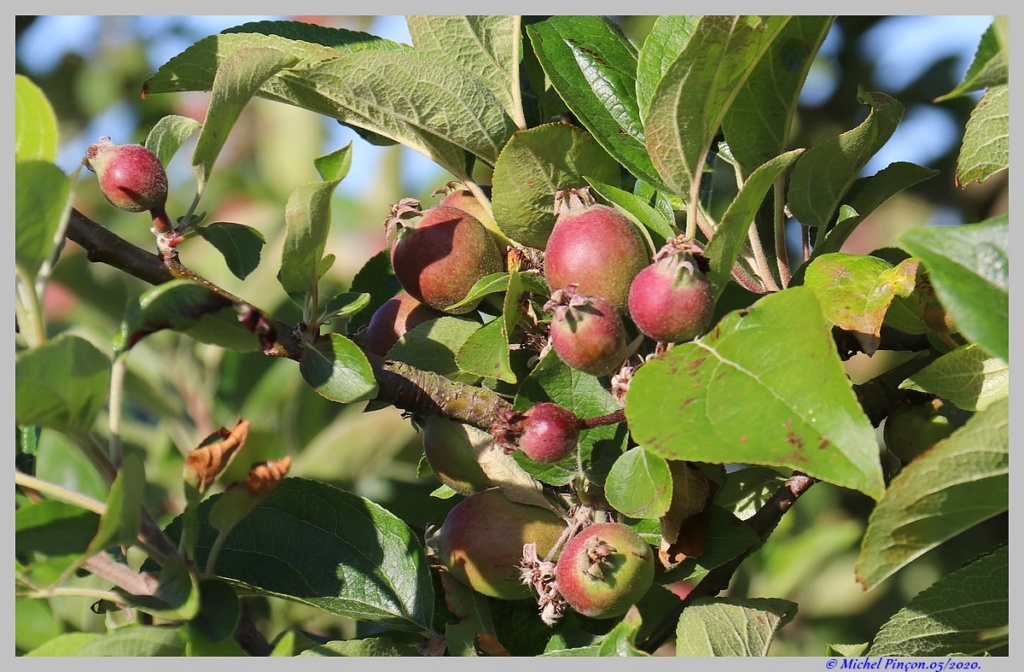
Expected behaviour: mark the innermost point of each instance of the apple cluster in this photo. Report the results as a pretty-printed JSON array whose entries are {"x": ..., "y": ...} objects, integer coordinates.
[{"x": 607, "y": 293}]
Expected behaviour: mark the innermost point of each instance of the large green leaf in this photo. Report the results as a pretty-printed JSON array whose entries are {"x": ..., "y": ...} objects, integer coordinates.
[
  {"x": 338, "y": 370},
  {"x": 312, "y": 543},
  {"x": 727, "y": 242},
  {"x": 712, "y": 68},
  {"x": 825, "y": 172},
  {"x": 968, "y": 377},
  {"x": 41, "y": 192},
  {"x": 964, "y": 613},
  {"x": 35, "y": 124},
  {"x": 986, "y": 146},
  {"x": 412, "y": 98},
  {"x": 969, "y": 268},
  {"x": 731, "y": 627},
  {"x": 239, "y": 78},
  {"x": 143, "y": 641},
  {"x": 667, "y": 39},
  {"x": 195, "y": 68},
  {"x": 390, "y": 644},
  {"x": 592, "y": 65},
  {"x": 765, "y": 386},
  {"x": 951, "y": 487},
  {"x": 758, "y": 123},
  {"x": 488, "y": 46},
  {"x": 991, "y": 65},
  {"x": 62, "y": 383},
  {"x": 533, "y": 166}
]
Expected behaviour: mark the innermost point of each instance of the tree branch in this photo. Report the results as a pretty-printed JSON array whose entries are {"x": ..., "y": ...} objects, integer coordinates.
[{"x": 399, "y": 384}]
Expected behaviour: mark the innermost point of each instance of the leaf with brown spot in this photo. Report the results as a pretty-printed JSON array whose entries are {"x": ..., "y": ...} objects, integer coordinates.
[{"x": 776, "y": 362}]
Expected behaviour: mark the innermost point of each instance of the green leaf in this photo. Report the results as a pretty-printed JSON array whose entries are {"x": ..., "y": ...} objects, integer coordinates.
[
  {"x": 668, "y": 37},
  {"x": 969, "y": 269},
  {"x": 334, "y": 167},
  {"x": 619, "y": 642},
  {"x": 120, "y": 524},
  {"x": 66, "y": 645},
  {"x": 986, "y": 146},
  {"x": 308, "y": 219},
  {"x": 302, "y": 33},
  {"x": 473, "y": 612},
  {"x": 53, "y": 528},
  {"x": 238, "y": 79},
  {"x": 593, "y": 65},
  {"x": 758, "y": 123},
  {"x": 393, "y": 644},
  {"x": 966, "y": 612},
  {"x": 865, "y": 196},
  {"x": 968, "y": 377},
  {"x": 532, "y": 167},
  {"x": 177, "y": 305},
  {"x": 143, "y": 641},
  {"x": 731, "y": 627},
  {"x": 991, "y": 62},
  {"x": 345, "y": 305},
  {"x": 169, "y": 134},
  {"x": 824, "y": 174},
  {"x": 951, "y": 487},
  {"x": 61, "y": 384},
  {"x": 222, "y": 328},
  {"x": 432, "y": 345},
  {"x": 338, "y": 370},
  {"x": 429, "y": 104},
  {"x": 727, "y": 242},
  {"x": 712, "y": 68},
  {"x": 485, "y": 353},
  {"x": 765, "y": 386},
  {"x": 847, "y": 650},
  {"x": 195, "y": 68},
  {"x": 583, "y": 394},
  {"x": 240, "y": 245},
  {"x": 35, "y": 124},
  {"x": 639, "y": 484},
  {"x": 41, "y": 194},
  {"x": 312, "y": 543},
  {"x": 487, "y": 46}
]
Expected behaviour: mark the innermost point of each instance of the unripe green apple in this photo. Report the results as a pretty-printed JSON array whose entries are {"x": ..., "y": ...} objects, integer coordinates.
[
  {"x": 482, "y": 538},
  {"x": 604, "y": 570}
]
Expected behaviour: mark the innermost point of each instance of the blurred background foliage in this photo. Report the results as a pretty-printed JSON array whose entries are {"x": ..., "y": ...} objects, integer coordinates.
[{"x": 180, "y": 391}]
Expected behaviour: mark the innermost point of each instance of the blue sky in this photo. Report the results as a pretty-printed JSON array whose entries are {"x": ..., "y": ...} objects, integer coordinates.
[{"x": 902, "y": 46}]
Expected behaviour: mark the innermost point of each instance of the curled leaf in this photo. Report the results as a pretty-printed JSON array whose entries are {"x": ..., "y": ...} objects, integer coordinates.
[{"x": 204, "y": 464}]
